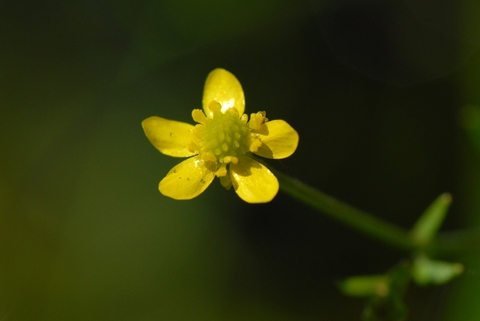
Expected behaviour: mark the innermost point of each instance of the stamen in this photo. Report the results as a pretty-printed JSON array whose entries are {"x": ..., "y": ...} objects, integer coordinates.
[
  {"x": 199, "y": 116},
  {"x": 257, "y": 120},
  {"x": 197, "y": 131},
  {"x": 230, "y": 159},
  {"x": 193, "y": 147},
  {"x": 255, "y": 145},
  {"x": 214, "y": 107},
  {"x": 233, "y": 111},
  {"x": 226, "y": 181},
  {"x": 222, "y": 171},
  {"x": 244, "y": 118},
  {"x": 208, "y": 156}
]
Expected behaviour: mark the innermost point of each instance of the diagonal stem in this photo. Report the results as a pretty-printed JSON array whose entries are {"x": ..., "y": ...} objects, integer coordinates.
[
  {"x": 357, "y": 219},
  {"x": 445, "y": 243}
]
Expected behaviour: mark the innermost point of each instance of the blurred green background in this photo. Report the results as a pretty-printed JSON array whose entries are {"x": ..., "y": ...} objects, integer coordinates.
[{"x": 384, "y": 95}]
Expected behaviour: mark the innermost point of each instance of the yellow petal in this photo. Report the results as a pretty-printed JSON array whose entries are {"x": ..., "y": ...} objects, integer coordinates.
[
  {"x": 169, "y": 136},
  {"x": 279, "y": 139},
  {"x": 223, "y": 87},
  {"x": 252, "y": 181},
  {"x": 186, "y": 180}
]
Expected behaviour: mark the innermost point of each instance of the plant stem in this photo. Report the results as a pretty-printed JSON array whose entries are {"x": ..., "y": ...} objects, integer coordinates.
[
  {"x": 357, "y": 219},
  {"x": 444, "y": 243}
]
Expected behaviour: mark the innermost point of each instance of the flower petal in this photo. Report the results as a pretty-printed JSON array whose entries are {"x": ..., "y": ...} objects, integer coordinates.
[
  {"x": 186, "y": 180},
  {"x": 252, "y": 181},
  {"x": 223, "y": 87},
  {"x": 169, "y": 136},
  {"x": 279, "y": 139}
]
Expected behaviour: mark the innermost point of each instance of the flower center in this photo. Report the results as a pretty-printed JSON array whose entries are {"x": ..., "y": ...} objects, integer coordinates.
[
  {"x": 221, "y": 138},
  {"x": 224, "y": 136}
]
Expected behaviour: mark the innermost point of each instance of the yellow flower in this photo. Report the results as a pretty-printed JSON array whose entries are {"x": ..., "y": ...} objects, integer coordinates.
[{"x": 220, "y": 144}]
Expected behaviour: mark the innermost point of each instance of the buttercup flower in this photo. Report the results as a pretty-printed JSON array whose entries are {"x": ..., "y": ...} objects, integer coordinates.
[{"x": 220, "y": 144}]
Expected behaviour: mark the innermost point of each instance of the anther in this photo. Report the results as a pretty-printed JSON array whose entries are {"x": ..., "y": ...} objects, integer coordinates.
[
  {"x": 255, "y": 145},
  {"x": 222, "y": 171},
  {"x": 230, "y": 159},
  {"x": 199, "y": 116},
  {"x": 214, "y": 106}
]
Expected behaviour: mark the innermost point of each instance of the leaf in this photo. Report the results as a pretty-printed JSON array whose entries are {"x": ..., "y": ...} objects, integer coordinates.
[
  {"x": 427, "y": 226},
  {"x": 426, "y": 271},
  {"x": 367, "y": 285}
]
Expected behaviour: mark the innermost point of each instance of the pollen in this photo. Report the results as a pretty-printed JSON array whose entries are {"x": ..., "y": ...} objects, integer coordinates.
[{"x": 224, "y": 136}]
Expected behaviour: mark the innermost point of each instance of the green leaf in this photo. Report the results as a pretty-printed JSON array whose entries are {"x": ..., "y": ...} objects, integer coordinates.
[
  {"x": 426, "y": 271},
  {"x": 429, "y": 223},
  {"x": 367, "y": 285}
]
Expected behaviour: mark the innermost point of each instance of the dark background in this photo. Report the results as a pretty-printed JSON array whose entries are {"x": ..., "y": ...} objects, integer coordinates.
[{"x": 384, "y": 95}]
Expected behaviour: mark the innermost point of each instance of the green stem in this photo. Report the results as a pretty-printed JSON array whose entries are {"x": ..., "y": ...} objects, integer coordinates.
[
  {"x": 444, "y": 243},
  {"x": 346, "y": 214}
]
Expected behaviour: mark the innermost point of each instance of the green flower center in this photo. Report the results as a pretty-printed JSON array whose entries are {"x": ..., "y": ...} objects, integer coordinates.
[{"x": 225, "y": 136}]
